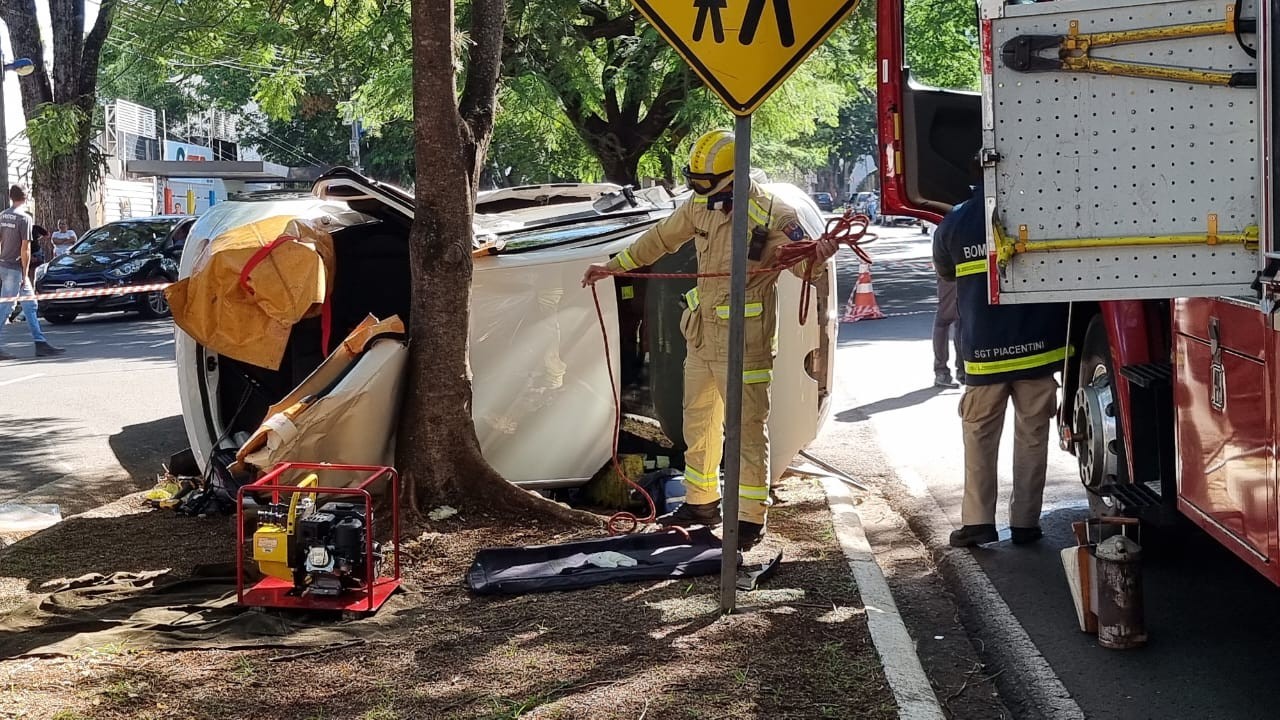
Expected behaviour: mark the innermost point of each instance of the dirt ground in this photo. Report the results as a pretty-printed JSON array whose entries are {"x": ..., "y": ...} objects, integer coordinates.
[{"x": 797, "y": 648}]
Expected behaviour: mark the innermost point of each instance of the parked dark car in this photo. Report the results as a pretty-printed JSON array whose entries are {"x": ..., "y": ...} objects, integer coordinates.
[
  {"x": 825, "y": 202},
  {"x": 137, "y": 251}
]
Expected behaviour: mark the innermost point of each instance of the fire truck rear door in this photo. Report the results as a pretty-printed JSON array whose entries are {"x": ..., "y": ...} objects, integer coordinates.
[
  {"x": 1121, "y": 146},
  {"x": 926, "y": 135}
]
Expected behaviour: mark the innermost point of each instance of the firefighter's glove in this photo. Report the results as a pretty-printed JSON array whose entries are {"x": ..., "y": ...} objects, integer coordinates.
[
  {"x": 595, "y": 273},
  {"x": 826, "y": 249}
]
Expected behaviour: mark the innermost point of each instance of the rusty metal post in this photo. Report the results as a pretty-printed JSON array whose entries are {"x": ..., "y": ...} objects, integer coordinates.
[{"x": 1121, "y": 625}]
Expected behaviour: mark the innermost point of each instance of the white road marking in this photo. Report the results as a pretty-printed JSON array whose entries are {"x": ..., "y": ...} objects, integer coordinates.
[{"x": 24, "y": 378}]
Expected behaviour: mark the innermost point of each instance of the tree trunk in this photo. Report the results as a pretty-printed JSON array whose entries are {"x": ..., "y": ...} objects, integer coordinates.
[
  {"x": 438, "y": 452},
  {"x": 61, "y": 182},
  {"x": 621, "y": 169},
  {"x": 59, "y": 188}
]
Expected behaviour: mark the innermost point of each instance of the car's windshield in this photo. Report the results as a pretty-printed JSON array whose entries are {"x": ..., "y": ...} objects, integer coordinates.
[{"x": 123, "y": 237}]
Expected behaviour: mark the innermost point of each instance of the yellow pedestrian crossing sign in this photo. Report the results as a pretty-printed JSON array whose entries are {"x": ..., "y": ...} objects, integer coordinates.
[{"x": 745, "y": 49}]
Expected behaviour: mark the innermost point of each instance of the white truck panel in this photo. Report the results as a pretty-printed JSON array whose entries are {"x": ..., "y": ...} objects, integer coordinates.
[{"x": 1105, "y": 157}]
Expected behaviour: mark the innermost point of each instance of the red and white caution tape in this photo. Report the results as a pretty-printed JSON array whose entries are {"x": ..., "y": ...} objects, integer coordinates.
[{"x": 88, "y": 292}]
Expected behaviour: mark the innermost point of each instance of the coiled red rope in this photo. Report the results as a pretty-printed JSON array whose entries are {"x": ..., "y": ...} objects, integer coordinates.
[{"x": 849, "y": 230}]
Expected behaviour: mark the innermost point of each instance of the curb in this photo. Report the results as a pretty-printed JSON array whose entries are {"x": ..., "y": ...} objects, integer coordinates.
[
  {"x": 911, "y": 689},
  {"x": 1026, "y": 681}
]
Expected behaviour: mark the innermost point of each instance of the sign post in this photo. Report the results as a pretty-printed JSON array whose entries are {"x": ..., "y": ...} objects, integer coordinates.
[{"x": 743, "y": 50}]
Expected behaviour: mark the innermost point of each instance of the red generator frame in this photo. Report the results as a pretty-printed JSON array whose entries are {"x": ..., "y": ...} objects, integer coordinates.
[{"x": 276, "y": 593}]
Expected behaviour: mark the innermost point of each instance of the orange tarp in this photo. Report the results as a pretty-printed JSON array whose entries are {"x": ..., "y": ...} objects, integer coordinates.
[{"x": 248, "y": 315}]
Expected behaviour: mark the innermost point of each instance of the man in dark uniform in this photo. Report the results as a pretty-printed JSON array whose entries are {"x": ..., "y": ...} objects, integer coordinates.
[{"x": 1010, "y": 352}]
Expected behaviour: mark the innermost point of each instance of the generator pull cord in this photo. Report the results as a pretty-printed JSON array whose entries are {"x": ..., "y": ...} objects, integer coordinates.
[{"x": 849, "y": 230}]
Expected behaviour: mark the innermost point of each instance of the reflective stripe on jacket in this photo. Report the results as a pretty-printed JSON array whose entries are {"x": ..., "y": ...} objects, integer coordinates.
[{"x": 1000, "y": 343}]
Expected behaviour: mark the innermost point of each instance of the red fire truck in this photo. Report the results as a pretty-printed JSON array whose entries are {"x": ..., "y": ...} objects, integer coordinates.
[{"x": 1126, "y": 150}]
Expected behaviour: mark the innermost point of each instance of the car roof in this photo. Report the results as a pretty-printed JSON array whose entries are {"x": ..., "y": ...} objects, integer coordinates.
[{"x": 150, "y": 218}]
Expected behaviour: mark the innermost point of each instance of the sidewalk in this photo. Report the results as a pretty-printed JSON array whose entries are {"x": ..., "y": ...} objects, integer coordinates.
[{"x": 798, "y": 648}]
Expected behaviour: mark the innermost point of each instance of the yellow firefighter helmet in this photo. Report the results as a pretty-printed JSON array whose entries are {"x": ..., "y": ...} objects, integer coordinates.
[{"x": 710, "y": 168}]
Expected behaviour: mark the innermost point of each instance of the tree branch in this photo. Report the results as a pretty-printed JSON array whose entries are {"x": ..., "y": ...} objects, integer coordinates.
[
  {"x": 24, "y": 37},
  {"x": 605, "y": 28},
  {"x": 478, "y": 105},
  {"x": 666, "y": 104},
  {"x": 91, "y": 56}
]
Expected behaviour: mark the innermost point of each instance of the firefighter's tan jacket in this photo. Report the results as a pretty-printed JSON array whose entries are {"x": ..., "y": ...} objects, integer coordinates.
[
  {"x": 706, "y": 321},
  {"x": 705, "y": 325}
]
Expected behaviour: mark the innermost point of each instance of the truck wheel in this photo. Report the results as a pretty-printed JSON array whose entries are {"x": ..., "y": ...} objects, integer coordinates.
[{"x": 1096, "y": 432}]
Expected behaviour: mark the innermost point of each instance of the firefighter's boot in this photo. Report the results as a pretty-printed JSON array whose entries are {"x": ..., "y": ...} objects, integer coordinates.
[
  {"x": 749, "y": 534},
  {"x": 690, "y": 514},
  {"x": 971, "y": 535}
]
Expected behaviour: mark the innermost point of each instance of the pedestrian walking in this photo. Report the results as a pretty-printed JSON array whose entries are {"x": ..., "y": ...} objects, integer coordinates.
[
  {"x": 63, "y": 238},
  {"x": 946, "y": 334},
  {"x": 15, "y": 261},
  {"x": 39, "y": 239},
  {"x": 707, "y": 219},
  {"x": 1010, "y": 353}
]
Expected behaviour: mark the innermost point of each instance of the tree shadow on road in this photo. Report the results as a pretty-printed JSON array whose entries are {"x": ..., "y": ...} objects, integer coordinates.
[
  {"x": 105, "y": 337},
  {"x": 142, "y": 449},
  {"x": 30, "y": 452},
  {"x": 863, "y": 412}
]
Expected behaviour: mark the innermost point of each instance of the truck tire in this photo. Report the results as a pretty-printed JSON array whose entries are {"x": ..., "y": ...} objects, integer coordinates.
[{"x": 1097, "y": 432}]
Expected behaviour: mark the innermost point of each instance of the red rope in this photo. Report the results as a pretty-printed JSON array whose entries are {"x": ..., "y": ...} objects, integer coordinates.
[{"x": 849, "y": 229}]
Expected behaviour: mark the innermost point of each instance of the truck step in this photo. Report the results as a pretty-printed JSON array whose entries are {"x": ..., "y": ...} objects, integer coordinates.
[
  {"x": 1132, "y": 495},
  {"x": 1149, "y": 375}
]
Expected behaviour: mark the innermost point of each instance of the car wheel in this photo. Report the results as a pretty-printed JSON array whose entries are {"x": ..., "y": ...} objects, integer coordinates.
[
  {"x": 154, "y": 305},
  {"x": 60, "y": 318}
]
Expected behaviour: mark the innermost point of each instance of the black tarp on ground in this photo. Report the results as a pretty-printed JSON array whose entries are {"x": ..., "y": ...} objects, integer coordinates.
[
  {"x": 543, "y": 568},
  {"x": 152, "y": 611}
]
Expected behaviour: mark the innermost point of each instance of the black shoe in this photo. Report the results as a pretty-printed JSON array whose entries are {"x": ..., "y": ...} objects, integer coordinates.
[
  {"x": 1025, "y": 535},
  {"x": 971, "y": 535},
  {"x": 44, "y": 349},
  {"x": 749, "y": 534},
  {"x": 13, "y": 316},
  {"x": 942, "y": 379},
  {"x": 689, "y": 514}
]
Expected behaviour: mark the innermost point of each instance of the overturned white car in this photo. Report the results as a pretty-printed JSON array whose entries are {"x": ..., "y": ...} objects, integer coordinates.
[{"x": 543, "y": 403}]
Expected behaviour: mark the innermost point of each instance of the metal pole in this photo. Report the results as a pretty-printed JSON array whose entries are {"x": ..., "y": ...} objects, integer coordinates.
[
  {"x": 4, "y": 139},
  {"x": 733, "y": 384}
]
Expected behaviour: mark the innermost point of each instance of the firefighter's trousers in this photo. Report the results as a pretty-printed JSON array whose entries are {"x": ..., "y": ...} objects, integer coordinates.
[
  {"x": 704, "y": 414},
  {"x": 982, "y": 409}
]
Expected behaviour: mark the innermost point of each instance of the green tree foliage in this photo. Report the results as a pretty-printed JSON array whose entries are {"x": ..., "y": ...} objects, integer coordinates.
[
  {"x": 942, "y": 43},
  {"x": 58, "y": 99},
  {"x": 589, "y": 91}
]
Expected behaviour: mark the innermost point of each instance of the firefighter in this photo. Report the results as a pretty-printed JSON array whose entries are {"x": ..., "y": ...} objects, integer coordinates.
[
  {"x": 1010, "y": 352},
  {"x": 707, "y": 219}
]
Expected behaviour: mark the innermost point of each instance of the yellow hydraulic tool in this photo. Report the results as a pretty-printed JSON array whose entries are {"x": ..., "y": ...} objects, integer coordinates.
[
  {"x": 1022, "y": 53},
  {"x": 272, "y": 539}
]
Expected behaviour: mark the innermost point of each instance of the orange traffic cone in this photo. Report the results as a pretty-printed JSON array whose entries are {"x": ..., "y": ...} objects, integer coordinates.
[{"x": 862, "y": 303}]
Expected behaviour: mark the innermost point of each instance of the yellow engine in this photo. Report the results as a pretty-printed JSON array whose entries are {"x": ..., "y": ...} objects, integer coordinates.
[{"x": 272, "y": 540}]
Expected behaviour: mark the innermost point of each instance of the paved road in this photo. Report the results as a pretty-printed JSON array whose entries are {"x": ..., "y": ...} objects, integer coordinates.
[
  {"x": 1212, "y": 621},
  {"x": 106, "y": 412}
]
